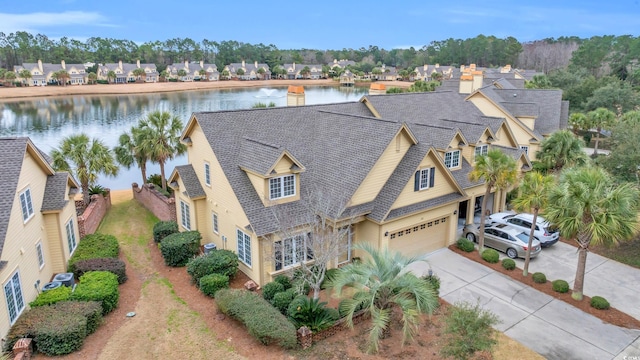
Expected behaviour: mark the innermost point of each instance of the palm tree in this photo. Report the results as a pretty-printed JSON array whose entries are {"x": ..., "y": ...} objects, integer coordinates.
[
  {"x": 92, "y": 77},
  {"x": 600, "y": 118},
  {"x": 533, "y": 193},
  {"x": 261, "y": 72},
  {"x": 225, "y": 74},
  {"x": 379, "y": 285},
  {"x": 587, "y": 207},
  {"x": 164, "y": 74},
  {"x": 111, "y": 76},
  {"x": 160, "y": 132},
  {"x": 305, "y": 72},
  {"x": 632, "y": 117},
  {"x": 578, "y": 121},
  {"x": 139, "y": 73},
  {"x": 561, "y": 149},
  {"x": 203, "y": 74},
  {"x": 25, "y": 75},
  {"x": 85, "y": 158},
  {"x": 182, "y": 73},
  {"x": 130, "y": 150},
  {"x": 62, "y": 76},
  {"x": 497, "y": 170},
  {"x": 9, "y": 77}
]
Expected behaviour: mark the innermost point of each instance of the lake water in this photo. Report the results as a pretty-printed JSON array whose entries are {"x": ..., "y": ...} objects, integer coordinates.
[{"x": 47, "y": 120}]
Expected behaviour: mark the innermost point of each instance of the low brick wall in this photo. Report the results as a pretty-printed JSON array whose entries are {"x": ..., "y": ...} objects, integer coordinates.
[
  {"x": 90, "y": 219},
  {"x": 306, "y": 338},
  {"x": 162, "y": 207}
]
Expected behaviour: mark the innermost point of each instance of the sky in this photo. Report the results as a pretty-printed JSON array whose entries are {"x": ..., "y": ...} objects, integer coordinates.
[{"x": 323, "y": 25}]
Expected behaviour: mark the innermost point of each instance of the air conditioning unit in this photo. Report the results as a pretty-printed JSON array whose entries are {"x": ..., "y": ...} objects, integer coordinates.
[
  {"x": 65, "y": 278},
  {"x": 209, "y": 247},
  {"x": 52, "y": 285}
]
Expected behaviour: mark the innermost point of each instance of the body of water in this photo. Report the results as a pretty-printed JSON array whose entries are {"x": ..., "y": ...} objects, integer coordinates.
[{"x": 48, "y": 120}]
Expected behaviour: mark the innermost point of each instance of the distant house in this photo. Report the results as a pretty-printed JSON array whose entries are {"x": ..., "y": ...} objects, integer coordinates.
[
  {"x": 386, "y": 73},
  {"x": 426, "y": 72},
  {"x": 295, "y": 71},
  {"x": 401, "y": 162},
  {"x": 42, "y": 73},
  {"x": 38, "y": 225},
  {"x": 347, "y": 78},
  {"x": 193, "y": 71},
  {"x": 250, "y": 71},
  {"x": 343, "y": 63},
  {"x": 124, "y": 72}
]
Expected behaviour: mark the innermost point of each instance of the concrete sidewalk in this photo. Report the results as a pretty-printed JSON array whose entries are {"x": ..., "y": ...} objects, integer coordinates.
[{"x": 549, "y": 326}]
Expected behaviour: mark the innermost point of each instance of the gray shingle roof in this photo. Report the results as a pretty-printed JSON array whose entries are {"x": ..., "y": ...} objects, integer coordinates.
[
  {"x": 462, "y": 175},
  {"x": 193, "y": 188},
  {"x": 13, "y": 150},
  {"x": 423, "y": 205},
  {"x": 54, "y": 192}
]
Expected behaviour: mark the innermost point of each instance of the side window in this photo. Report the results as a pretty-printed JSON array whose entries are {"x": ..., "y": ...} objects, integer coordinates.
[
  {"x": 526, "y": 224},
  {"x": 513, "y": 221},
  {"x": 490, "y": 231}
]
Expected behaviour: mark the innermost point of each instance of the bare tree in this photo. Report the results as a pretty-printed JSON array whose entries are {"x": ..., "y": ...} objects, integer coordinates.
[{"x": 313, "y": 234}]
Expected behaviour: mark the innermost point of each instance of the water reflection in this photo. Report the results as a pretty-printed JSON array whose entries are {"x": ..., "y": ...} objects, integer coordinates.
[{"x": 46, "y": 121}]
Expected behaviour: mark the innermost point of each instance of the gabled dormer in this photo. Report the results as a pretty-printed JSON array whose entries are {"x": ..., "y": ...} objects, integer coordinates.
[
  {"x": 273, "y": 171},
  {"x": 452, "y": 154},
  {"x": 481, "y": 146}
]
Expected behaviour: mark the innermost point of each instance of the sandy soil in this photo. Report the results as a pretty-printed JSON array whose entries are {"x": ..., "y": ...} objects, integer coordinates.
[{"x": 11, "y": 93}]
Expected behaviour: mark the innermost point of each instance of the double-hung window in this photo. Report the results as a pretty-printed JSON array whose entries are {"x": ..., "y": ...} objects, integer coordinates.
[
  {"x": 71, "y": 236},
  {"x": 40, "y": 254},
  {"x": 452, "y": 158},
  {"x": 291, "y": 251},
  {"x": 244, "y": 247},
  {"x": 13, "y": 295},
  {"x": 214, "y": 220},
  {"x": 185, "y": 215},
  {"x": 525, "y": 148},
  {"x": 424, "y": 179},
  {"x": 26, "y": 204},
  {"x": 481, "y": 150},
  {"x": 207, "y": 174},
  {"x": 281, "y": 187}
]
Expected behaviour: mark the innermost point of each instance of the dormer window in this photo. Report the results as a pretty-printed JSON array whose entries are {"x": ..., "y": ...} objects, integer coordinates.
[
  {"x": 282, "y": 187},
  {"x": 481, "y": 150},
  {"x": 452, "y": 159},
  {"x": 525, "y": 148}
]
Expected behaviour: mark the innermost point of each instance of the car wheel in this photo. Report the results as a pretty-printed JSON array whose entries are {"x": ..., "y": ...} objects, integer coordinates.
[
  {"x": 512, "y": 253},
  {"x": 471, "y": 237}
]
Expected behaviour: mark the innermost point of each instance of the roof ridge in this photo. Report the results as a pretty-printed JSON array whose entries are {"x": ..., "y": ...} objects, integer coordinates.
[
  {"x": 436, "y": 126},
  {"x": 261, "y": 142},
  {"x": 464, "y": 122},
  {"x": 358, "y": 116}
]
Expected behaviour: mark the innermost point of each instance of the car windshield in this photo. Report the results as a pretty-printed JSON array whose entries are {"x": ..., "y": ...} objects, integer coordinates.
[{"x": 523, "y": 237}]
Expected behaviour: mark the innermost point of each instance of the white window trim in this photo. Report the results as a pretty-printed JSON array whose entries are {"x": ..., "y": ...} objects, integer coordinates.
[
  {"x": 13, "y": 290},
  {"x": 282, "y": 187},
  {"x": 245, "y": 256},
  {"x": 294, "y": 261},
  {"x": 450, "y": 163},
  {"x": 483, "y": 150},
  {"x": 25, "y": 196},
  {"x": 71, "y": 235},
  {"x": 207, "y": 174},
  {"x": 427, "y": 183},
  {"x": 215, "y": 223},
  {"x": 40, "y": 254},
  {"x": 525, "y": 148},
  {"x": 185, "y": 215}
]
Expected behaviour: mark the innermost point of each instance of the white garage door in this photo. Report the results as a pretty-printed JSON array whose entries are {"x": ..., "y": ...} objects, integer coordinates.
[{"x": 420, "y": 238}]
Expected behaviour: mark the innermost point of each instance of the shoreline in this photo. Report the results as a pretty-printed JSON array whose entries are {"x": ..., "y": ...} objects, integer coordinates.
[{"x": 25, "y": 93}]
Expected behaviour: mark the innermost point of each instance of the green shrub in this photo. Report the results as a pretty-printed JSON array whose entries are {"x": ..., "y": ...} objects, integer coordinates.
[
  {"x": 343, "y": 308},
  {"x": 269, "y": 290},
  {"x": 177, "y": 249},
  {"x": 434, "y": 280},
  {"x": 210, "y": 284},
  {"x": 97, "y": 190},
  {"x": 465, "y": 244},
  {"x": 328, "y": 277},
  {"x": 52, "y": 296},
  {"x": 222, "y": 262},
  {"x": 508, "y": 264},
  {"x": 163, "y": 229},
  {"x": 468, "y": 329},
  {"x": 334, "y": 314},
  {"x": 310, "y": 312},
  {"x": 92, "y": 247},
  {"x": 99, "y": 286},
  {"x": 282, "y": 300},
  {"x": 539, "y": 278},
  {"x": 560, "y": 286},
  {"x": 91, "y": 310},
  {"x": 61, "y": 334},
  {"x": 262, "y": 320},
  {"x": 599, "y": 303},
  {"x": 112, "y": 265},
  {"x": 490, "y": 256},
  {"x": 284, "y": 280}
]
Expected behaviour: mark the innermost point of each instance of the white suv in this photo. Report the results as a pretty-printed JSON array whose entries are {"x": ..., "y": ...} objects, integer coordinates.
[{"x": 543, "y": 232}]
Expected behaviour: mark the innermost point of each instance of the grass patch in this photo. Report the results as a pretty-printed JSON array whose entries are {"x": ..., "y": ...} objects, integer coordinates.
[{"x": 627, "y": 253}]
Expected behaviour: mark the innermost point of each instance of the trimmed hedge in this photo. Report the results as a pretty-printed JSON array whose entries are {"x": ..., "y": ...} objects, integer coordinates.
[
  {"x": 222, "y": 262},
  {"x": 112, "y": 265},
  {"x": 560, "y": 286},
  {"x": 163, "y": 229},
  {"x": 599, "y": 303},
  {"x": 269, "y": 290},
  {"x": 94, "y": 246},
  {"x": 52, "y": 296},
  {"x": 539, "y": 278},
  {"x": 282, "y": 300},
  {"x": 99, "y": 286},
  {"x": 508, "y": 264},
  {"x": 285, "y": 281},
  {"x": 490, "y": 256},
  {"x": 210, "y": 284},
  {"x": 262, "y": 320},
  {"x": 465, "y": 244},
  {"x": 56, "y": 328},
  {"x": 177, "y": 249}
]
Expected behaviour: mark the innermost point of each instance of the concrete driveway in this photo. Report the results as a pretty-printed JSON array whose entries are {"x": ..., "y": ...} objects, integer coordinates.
[{"x": 549, "y": 326}]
